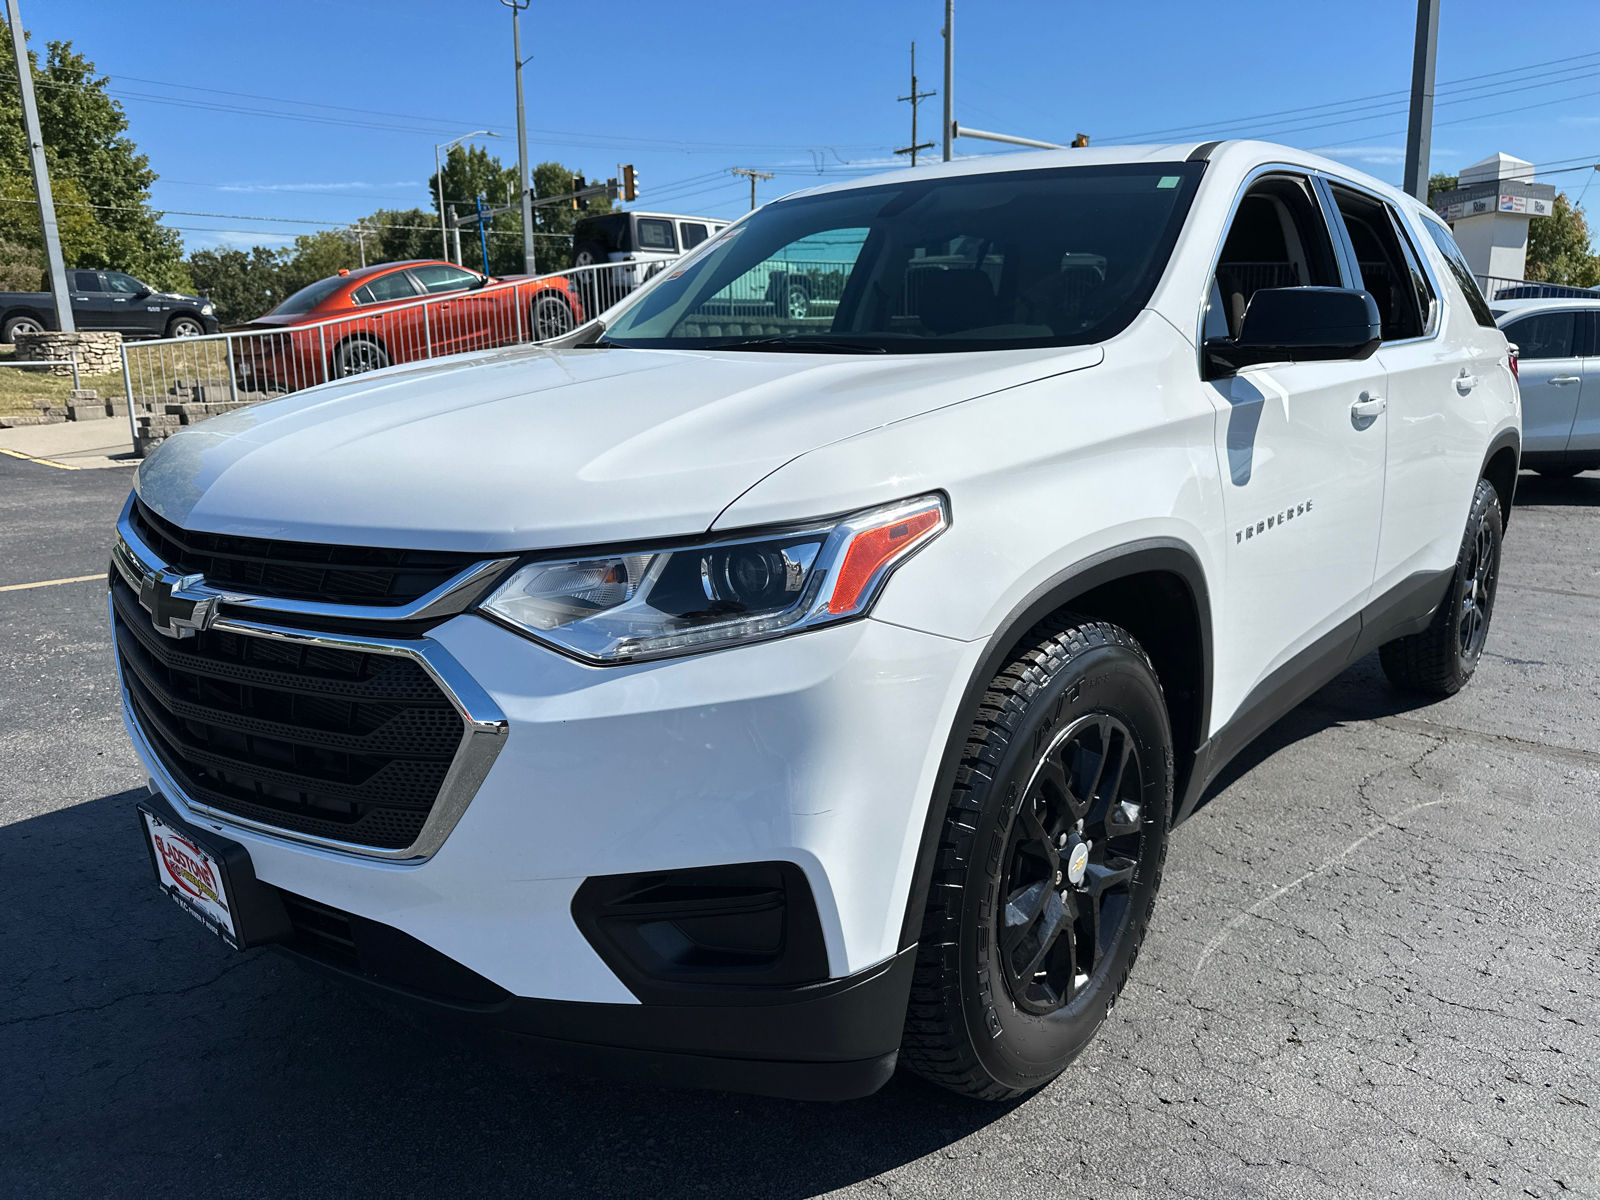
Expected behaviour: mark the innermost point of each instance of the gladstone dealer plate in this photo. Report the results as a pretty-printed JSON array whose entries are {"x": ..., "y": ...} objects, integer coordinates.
[{"x": 191, "y": 877}]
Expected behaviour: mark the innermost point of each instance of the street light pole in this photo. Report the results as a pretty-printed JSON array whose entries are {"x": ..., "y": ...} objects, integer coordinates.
[
  {"x": 522, "y": 139},
  {"x": 1419, "y": 130},
  {"x": 438, "y": 179},
  {"x": 59, "y": 291}
]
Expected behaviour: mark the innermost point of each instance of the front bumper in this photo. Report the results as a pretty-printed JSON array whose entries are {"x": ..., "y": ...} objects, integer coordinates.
[{"x": 818, "y": 750}]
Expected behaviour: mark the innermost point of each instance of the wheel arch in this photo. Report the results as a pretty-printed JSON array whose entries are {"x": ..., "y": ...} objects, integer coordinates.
[
  {"x": 23, "y": 310},
  {"x": 1500, "y": 466},
  {"x": 1154, "y": 588}
]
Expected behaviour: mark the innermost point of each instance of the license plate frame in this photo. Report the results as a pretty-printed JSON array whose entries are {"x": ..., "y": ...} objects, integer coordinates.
[{"x": 192, "y": 875}]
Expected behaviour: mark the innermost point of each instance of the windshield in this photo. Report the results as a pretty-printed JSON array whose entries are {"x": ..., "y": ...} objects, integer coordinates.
[
  {"x": 307, "y": 297},
  {"x": 977, "y": 262}
]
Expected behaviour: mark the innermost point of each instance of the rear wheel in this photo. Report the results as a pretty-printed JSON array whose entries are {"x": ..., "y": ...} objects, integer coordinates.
[
  {"x": 1048, "y": 863},
  {"x": 23, "y": 323},
  {"x": 589, "y": 254},
  {"x": 549, "y": 317},
  {"x": 358, "y": 356},
  {"x": 1441, "y": 659}
]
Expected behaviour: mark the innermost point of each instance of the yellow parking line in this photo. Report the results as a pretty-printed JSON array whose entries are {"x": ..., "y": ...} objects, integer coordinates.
[
  {"x": 43, "y": 461},
  {"x": 19, "y": 587}
]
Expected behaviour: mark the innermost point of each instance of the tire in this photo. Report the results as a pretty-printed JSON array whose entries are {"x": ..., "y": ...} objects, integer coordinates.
[
  {"x": 588, "y": 254},
  {"x": 985, "y": 1019},
  {"x": 796, "y": 301},
  {"x": 358, "y": 356},
  {"x": 22, "y": 323},
  {"x": 184, "y": 325},
  {"x": 549, "y": 317},
  {"x": 1441, "y": 659}
]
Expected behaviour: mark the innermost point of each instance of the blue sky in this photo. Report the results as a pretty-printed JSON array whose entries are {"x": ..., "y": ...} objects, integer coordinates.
[{"x": 250, "y": 110}]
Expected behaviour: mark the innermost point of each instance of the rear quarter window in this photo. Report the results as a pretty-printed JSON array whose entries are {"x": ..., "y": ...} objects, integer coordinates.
[{"x": 1457, "y": 263}]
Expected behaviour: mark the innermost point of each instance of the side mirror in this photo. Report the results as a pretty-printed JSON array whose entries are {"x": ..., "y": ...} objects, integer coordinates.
[
  {"x": 1300, "y": 324},
  {"x": 142, "y": 293}
]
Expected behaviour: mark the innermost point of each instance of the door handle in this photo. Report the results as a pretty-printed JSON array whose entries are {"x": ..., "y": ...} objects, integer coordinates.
[
  {"x": 1366, "y": 410},
  {"x": 1563, "y": 380},
  {"x": 1465, "y": 382}
]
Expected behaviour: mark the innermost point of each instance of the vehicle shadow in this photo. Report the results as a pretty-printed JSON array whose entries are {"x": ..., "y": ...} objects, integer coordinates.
[
  {"x": 138, "y": 1055},
  {"x": 1581, "y": 491},
  {"x": 1360, "y": 693}
]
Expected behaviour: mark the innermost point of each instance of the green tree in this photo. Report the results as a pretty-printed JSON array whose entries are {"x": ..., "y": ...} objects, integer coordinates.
[
  {"x": 1558, "y": 247},
  {"x": 555, "y": 221},
  {"x": 1441, "y": 183},
  {"x": 243, "y": 284},
  {"x": 92, "y": 161}
]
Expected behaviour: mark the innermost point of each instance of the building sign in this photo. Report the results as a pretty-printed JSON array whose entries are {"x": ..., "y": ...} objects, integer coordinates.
[{"x": 1529, "y": 205}]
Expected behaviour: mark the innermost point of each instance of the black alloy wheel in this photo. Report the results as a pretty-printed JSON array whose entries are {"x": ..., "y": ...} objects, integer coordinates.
[
  {"x": 1442, "y": 658},
  {"x": 1048, "y": 863},
  {"x": 1070, "y": 860},
  {"x": 357, "y": 356}
]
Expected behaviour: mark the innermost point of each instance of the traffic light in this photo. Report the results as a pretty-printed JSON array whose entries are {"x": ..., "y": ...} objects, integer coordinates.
[
  {"x": 630, "y": 183},
  {"x": 577, "y": 186},
  {"x": 1081, "y": 141}
]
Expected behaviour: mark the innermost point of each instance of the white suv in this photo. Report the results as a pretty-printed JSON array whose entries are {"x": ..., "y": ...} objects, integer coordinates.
[{"x": 758, "y": 703}]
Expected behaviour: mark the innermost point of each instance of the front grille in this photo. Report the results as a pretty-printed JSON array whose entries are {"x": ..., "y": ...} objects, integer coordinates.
[
  {"x": 368, "y": 575},
  {"x": 335, "y": 743}
]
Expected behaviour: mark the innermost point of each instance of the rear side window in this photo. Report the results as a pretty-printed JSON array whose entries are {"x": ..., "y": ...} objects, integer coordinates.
[
  {"x": 1544, "y": 335},
  {"x": 394, "y": 286},
  {"x": 1458, "y": 267},
  {"x": 656, "y": 234},
  {"x": 1385, "y": 272},
  {"x": 693, "y": 234},
  {"x": 86, "y": 281}
]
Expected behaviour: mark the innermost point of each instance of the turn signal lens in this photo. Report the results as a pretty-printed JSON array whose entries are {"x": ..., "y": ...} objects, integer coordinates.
[{"x": 873, "y": 552}]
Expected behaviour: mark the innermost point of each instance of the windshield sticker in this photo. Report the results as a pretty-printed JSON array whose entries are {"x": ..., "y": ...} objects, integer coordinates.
[{"x": 1168, "y": 181}]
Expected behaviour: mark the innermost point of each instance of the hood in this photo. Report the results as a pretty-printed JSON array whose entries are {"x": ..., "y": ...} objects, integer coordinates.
[{"x": 529, "y": 448}]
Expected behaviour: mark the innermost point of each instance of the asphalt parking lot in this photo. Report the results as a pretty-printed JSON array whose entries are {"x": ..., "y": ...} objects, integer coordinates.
[{"x": 1374, "y": 967}]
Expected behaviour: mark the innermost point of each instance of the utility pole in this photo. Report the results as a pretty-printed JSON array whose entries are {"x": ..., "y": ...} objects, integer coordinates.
[
  {"x": 754, "y": 175},
  {"x": 916, "y": 98},
  {"x": 522, "y": 139},
  {"x": 949, "y": 78},
  {"x": 59, "y": 291},
  {"x": 1419, "y": 130}
]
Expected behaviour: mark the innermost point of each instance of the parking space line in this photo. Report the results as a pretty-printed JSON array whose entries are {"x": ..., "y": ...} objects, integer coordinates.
[
  {"x": 48, "y": 462},
  {"x": 21, "y": 587}
]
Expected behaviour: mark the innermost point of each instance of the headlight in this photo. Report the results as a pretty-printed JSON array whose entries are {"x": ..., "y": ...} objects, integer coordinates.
[
  {"x": 206, "y": 309},
  {"x": 626, "y": 607}
]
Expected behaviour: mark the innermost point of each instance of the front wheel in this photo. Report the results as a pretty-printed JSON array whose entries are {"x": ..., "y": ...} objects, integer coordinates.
[
  {"x": 358, "y": 356},
  {"x": 181, "y": 327},
  {"x": 1048, "y": 865},
  {"x": 1441, "y": 659}
]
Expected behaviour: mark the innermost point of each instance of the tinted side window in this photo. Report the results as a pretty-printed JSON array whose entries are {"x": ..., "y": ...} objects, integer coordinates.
[
  {"x": 436, "y": 277},
  {"x": 86, "y": 281},
  {"x": 1278, "y": 239},
  {"x": 1384, "y": 271},
  {"x": 116, "y": 281},
  {"x": 1458, "y": 267},
  {"x": 1543, "y": 335},
  {"x": 655, "y": 234},
  {"x": 693, "y": 235},
  {"x": 394, "y": 286}
]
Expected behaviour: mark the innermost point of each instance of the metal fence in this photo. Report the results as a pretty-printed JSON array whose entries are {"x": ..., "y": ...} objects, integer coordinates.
[
  {"x": 1497, "y": 288},
  {"x": 165, "y": 379}
]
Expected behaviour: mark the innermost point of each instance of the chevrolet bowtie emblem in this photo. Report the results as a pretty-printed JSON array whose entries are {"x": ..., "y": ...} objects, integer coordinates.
[{"x": 180, "y": 606}]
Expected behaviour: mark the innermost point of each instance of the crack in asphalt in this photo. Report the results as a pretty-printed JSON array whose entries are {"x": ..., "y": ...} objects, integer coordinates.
[{"x": 115, "y": 1000}]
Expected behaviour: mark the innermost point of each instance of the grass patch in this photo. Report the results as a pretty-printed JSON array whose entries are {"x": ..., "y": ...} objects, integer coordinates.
[{"x": 19, "y": 387}]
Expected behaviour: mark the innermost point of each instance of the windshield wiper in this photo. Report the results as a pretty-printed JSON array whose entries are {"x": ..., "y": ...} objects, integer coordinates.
[{"x": 819, "y": 345}]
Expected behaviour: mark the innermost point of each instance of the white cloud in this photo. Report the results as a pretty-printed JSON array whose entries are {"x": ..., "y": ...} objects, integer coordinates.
[
  {"x": 233, "y": 239},
  {"x": 351, "y": 186},
  {"x": 1383, "y": 155}
]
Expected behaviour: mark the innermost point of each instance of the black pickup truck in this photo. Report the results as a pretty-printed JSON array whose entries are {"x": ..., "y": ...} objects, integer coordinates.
[{"x": 109, "y": 300}]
